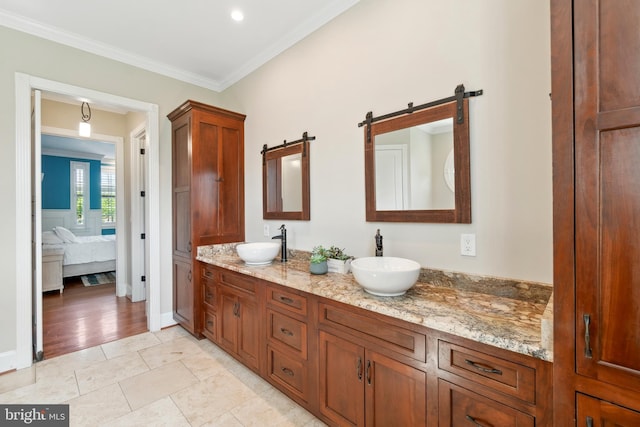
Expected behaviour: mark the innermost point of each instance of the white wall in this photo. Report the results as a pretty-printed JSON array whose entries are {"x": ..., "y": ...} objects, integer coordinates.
[
  {"x": 380, "y": 55},
  {"x": 32, "y": 55}
]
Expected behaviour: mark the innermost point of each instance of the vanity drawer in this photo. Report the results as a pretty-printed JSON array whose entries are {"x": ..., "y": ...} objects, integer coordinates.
[
  {"x": 209, "y": 325},
  {"x": 460, "y": 407},
  {"x": 208, "y": 272},
  {"x": 289, "y": 372},
  {"x": 237, "y": 280},
  {"x": 290, "y": 332},
  {"x": 393, "y": 337},
  {"x": 287, "y": 300},
  {"x": 209, "y": 294},
  {"x": 501, "y": 375}
]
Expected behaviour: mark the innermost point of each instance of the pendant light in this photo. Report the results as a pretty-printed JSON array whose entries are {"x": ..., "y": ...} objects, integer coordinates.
[{"x": 84, "y": 129}]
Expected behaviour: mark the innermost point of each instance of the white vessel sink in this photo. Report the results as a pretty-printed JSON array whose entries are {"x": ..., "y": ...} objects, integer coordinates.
[
  {"x": 385, "y": 276},
  {"x": 258, "y": 253}
]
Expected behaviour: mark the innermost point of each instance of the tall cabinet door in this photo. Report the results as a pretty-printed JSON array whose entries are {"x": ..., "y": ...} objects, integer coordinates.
[
  {"x": 607, "y": 226},
  {"x": 181, "y": 175}
]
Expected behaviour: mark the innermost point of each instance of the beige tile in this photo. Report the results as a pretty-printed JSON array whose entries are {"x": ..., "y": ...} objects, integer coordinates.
[
  {"x": 271, "y": 408},
  {"x": 45, "y": 390},
  {"x": 15, "y": 379},
  {"x": 161, "y": 413},
  {"x": 156, "y": 384},
  {"x": 109, "y": 372},
  {"x": 69, "y": 363},
  {"x": 129, "y": 344},
  {"x": 211, "y": 398},
  {"x": 171, "y": 333},
  {"x": 203, "y": 365},
  {"x": 169, "y": 352},
  {"x": 224, "y": 420},
  {"x": 98, "y": 407}
]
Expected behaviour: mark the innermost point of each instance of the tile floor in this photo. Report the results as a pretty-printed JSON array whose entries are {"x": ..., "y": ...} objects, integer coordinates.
[{"x": 166, "y": 378}]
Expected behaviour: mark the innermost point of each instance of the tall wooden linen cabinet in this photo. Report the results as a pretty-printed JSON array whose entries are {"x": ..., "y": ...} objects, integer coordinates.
[
  {"x": 208, "y": 195},
  {"x": 596, "y": 162}
]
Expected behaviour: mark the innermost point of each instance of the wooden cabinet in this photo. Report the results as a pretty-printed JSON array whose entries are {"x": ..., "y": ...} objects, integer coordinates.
[
  {"x": 239, "y": 320},
  {"x": 359, "y": 385},
  {"x": 288, "y": 364},
  {"x": 350, "y": 366},
  {"x": 207, "y": 194},
  {"x": 596, "y": 147}
]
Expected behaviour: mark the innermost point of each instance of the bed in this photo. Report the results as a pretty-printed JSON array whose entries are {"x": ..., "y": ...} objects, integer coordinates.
[{"x": 82, "y": 254}]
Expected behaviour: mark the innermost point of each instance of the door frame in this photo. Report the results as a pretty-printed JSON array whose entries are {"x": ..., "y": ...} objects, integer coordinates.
[
  {"x": 122, "y": 253},
  {"x": 24, "y": 85}
]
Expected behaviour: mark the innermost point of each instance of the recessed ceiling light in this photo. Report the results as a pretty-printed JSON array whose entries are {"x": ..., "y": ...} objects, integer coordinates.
[{"x": 237, "y": 15}]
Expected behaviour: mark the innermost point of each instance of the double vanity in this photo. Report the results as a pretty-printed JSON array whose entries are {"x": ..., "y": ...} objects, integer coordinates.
[{"x": 453, "y": 350}]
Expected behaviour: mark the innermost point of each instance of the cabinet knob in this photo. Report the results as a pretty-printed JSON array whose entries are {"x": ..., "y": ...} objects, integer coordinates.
[{"x": 286, "y": 332}]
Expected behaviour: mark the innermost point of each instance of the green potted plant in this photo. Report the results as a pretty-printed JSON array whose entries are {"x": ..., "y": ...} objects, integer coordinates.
[
  {"x": 318, "y": 260},
  {"x": 338, "y": 261}
]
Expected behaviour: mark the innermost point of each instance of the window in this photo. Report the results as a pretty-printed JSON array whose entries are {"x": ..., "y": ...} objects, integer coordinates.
[
  {"x": 80, "y": 191},
  {"x": 108, "y": 194}
]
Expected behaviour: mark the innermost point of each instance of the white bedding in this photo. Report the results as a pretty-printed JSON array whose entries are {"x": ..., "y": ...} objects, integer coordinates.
[{"x": 87, "y": 249}]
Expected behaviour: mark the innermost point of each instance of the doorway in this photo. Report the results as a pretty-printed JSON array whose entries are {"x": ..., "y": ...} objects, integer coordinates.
[{"x": 26, "y": 239}]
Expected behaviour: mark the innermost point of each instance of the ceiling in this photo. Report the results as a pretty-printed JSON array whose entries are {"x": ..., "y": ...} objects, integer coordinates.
[{"x": 195, "y": 41}]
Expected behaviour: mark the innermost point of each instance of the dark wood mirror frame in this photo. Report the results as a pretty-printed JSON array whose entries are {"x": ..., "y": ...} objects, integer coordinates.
[
  {"x": 462, "y": 210},
  {"x": 272, "y": 182}
]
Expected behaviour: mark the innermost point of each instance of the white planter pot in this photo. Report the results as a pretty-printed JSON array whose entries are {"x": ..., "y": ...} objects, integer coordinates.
[{"x": 339, "y": 266}]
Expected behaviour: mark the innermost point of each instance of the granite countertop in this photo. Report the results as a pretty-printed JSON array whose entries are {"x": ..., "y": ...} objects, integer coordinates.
[{"x": 504, "y": 313}]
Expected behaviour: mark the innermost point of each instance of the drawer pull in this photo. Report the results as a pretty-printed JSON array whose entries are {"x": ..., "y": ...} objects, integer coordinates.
[
  {"x": 208, "y": 274},
  {"x": 475, "y": 422},
  {"x": 587, "y": 336},
  {"x": 483, "y": 368},
  {"x": 236, "y": 309},
  {"x": 286, "y": 300},
  {"x": 209, "y": 322},
  {"x": 589, "y": 422},
  {"x": 287, "y": 371},
  {"x": 369, "y": 372},
  {"x": 208, "y": 295},
  {"x": 359, "y": 369},
  {"x": 286, "y": 332}
]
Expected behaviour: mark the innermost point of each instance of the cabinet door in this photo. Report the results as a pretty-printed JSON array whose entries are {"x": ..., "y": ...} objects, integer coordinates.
[
  {"x": 341, "y": 380},
  {"x": 183, "y": 293},
  {"x": 395, "y": 393},
  {"x": 181, "y": 167},
  {"x": 248, "y": 319},
  {"x": 227, "y": 323},
  {"x": 607, "y": 152},
  {"x": 231, "y": 185},
  {"x": 598, "y": 413}
]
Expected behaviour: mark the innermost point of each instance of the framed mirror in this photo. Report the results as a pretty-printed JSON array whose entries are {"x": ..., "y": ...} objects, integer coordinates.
[
  {"x": 417, "y": 167},
  {"x": 285, "y": 182}
]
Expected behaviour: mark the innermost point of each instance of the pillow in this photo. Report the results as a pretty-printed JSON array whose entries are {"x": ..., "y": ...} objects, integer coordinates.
[
  {"x": 50, "y": 238},
  {"x": 66, "y": 235}
]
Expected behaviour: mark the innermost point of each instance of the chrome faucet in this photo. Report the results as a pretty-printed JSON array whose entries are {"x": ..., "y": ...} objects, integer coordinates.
[
  {"x": 283, "y": 247},
  {"x": 378, "y": 243}
]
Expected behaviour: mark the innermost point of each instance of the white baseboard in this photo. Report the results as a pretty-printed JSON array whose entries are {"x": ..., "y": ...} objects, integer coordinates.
[
  {"x": 167, "y": 320},
  {"x": 7, "y": 361}
]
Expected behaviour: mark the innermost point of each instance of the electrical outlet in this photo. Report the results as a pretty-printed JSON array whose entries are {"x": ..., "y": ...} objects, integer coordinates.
[
  {"x": 468, "y": 244},
  {"x": 266, "y": 230}
]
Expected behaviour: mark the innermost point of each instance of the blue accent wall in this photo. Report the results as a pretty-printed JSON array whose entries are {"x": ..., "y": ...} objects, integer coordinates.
[{"x": 56, "y": 187}]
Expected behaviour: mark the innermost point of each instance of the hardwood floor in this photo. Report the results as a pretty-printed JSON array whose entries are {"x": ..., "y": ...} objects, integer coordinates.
[{"x": 83, "y": 317}]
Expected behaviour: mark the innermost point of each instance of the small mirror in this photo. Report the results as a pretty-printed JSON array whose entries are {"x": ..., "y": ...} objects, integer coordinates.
[
  {"x": 285, "y": 182},
  {"x": 417, "y": 167}
]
